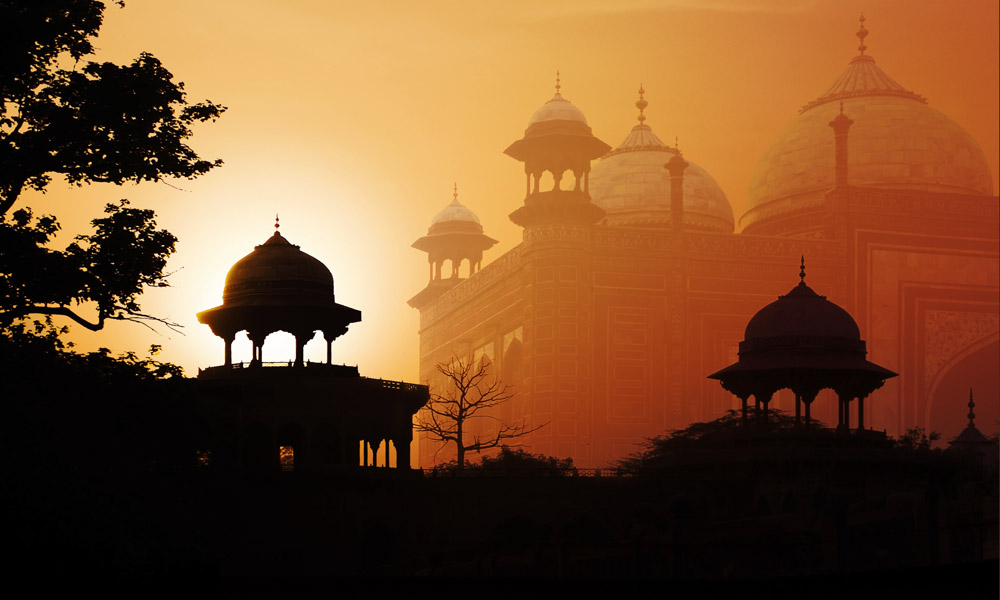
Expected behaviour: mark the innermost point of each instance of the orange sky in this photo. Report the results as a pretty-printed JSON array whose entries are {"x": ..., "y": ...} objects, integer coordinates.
[{"x": 353, "y": 119}]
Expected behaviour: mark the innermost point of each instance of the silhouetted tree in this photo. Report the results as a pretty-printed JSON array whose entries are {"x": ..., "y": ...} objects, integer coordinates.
[
  {"x": 917, "y": 438},
  {"x": 471, "y": 392},
  {"x": 62, "y": 115}
]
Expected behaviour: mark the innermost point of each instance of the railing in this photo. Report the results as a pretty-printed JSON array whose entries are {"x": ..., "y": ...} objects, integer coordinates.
[
  {"x": 397, "y": 385},
  {"x": 474, "y": 471},
  {"x": 285, "y": 364}
]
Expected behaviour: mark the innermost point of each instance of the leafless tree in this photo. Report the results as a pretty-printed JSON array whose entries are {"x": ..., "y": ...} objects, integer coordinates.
[{"x": 471, "y": 391}]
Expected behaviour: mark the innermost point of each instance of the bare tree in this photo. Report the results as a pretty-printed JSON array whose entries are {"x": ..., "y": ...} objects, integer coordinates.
[{"x": 471, "y": 392}]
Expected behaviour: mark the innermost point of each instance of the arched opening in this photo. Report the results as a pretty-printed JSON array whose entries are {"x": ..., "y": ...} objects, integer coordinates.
[
  {"x": 291, "y": 441},
  {"x": 546, "y": 182},
  {"x": 242, "y": 349},
  {"x": 975, "y": 368}
]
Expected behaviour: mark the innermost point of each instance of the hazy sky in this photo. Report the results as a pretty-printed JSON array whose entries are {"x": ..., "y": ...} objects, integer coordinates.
[{"x": 352, "y": 120}]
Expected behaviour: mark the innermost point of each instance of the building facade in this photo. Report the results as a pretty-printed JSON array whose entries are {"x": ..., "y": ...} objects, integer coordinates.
[{"x": 631, "y": 284}]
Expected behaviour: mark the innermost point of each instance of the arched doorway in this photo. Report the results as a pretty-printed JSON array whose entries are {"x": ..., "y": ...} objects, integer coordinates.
[{"x": 974, "y": 368}]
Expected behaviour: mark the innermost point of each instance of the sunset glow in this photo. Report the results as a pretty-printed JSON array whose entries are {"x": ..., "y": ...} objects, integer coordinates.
[{"x": 352, "y": 121}]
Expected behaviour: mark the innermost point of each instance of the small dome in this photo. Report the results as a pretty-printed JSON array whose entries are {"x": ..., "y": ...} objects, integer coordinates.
[
  {"x": 455, "y": 211},
  {"x": 557, "y": 109},
  {"x": 896, "y": 142},
  {"x": 802, "y": 313},
  {"x": 278, "y": 273},
  {"x": 633, "y": 187}
]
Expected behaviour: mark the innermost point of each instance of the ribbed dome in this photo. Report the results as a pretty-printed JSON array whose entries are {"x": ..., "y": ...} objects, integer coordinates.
[
  {"x": 633, "y": 187},
  {"x": 896, "y": 142},
  {"x": 278, "y": 273},
  {"x": 802, "y": 313}
]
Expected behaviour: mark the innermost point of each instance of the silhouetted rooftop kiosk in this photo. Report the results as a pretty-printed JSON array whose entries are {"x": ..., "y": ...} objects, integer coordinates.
[
  {"x": 297, "y": 414},
  {"x": 805, "y": 343}
]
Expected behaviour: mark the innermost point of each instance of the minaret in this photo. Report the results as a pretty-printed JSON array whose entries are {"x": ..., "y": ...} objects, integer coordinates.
[
  {"x": 557, "y": 141},
  {"x": 841, "y": 124},
  {"x": 455, "y": 235}
]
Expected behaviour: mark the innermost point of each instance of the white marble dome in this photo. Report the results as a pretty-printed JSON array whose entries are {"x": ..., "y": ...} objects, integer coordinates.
[
  {"x": 455, "y": 211},
  {"x": 557, "y": 109},
  {"x": 632, "y": 185},
  {"x": 897, "y": 141}
]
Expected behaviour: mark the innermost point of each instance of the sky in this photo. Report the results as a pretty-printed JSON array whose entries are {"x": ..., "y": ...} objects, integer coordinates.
[{"x": 353, "y": 121}]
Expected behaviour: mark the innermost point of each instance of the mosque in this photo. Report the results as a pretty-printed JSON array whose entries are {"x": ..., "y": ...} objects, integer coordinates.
[{"x": 634, "y": 280}]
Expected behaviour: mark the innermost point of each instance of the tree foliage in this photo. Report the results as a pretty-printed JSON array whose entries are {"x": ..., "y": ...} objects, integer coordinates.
[
  {"x": 727, "y": 430},
  {"x": 471, "y": 394},
  {"x": 917, "y": 438},
  {"x": 108, "y": 268},
  {"x": 92, "y": 121},
  {"x": 62, "y": 115},
  {"x": 511, "y": 462}
]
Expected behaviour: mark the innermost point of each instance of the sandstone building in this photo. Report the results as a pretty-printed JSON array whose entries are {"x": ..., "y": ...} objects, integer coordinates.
[{"x": 634, "y": 280}]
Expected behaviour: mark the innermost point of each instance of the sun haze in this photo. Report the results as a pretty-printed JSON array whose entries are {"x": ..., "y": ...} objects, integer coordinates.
[{"x": 352, "y": 121}]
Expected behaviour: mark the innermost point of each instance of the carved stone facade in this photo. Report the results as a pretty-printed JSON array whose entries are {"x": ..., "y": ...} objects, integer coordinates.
[{"x": 620, "y": 318}]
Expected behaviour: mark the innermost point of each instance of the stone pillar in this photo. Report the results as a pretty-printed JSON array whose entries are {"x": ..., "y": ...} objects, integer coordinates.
[
  {"x": 299, "y": 350},
  {"x": 402, "y": 452},
  {"x": 861, "y": 413},
  {"x": 229, "y": 349}
]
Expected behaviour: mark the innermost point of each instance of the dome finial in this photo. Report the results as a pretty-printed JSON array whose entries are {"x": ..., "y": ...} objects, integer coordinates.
[
  {"x": 276, "y": 223},
  {"x": 558, "y": 85},
  {"x": 641, "y": 104},
  {"x": 862, "y": 34},
  {"x": 802, "y": 270},
  {"x": 972, "y": 414},
  {"x": 455, "y": 193}
]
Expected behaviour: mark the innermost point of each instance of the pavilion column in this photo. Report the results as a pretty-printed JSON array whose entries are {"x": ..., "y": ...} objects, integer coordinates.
[
  {"x": 763, "y": 399},
  {"x": 861, "y": 413},
  {"x": 807, "y": 399},
  {"x": 229, "y": 349},
  {"x": 402, "y": 453},
  {"x": 798, "y": 409},
  {"x": 743, "y": 400},
  {"x": 299, "y": 350},
  {"x": 329, "y": 350}
]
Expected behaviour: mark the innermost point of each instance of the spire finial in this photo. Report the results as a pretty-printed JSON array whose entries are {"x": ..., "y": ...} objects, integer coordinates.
[
  {"x": 862, "y": 34},
  {"x": 972, "y": 414},
  {"x": 802, "y": 270},
  {"x": 641, "y": 104},
  {"x": 276, "y": 223},
  {"x": 558, "y": 85},
  {"x": 677, "y": 144},
  {"x": 455, "y": 193}
]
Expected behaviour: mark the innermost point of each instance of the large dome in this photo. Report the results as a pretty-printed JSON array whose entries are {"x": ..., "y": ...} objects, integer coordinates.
[
  {"x": 632, "y": 185},
  {"x": 897, "y": 141},
  {"x": 278, "y": 273}
]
